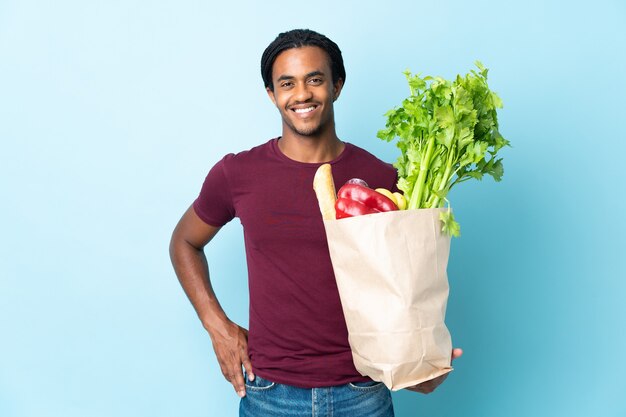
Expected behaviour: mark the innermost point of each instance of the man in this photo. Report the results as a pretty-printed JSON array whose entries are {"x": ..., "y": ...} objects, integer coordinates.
[{"x": 296, "y": 357}]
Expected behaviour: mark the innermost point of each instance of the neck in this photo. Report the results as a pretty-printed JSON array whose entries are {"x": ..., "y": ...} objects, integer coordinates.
[{"x": 311, "y": 149}]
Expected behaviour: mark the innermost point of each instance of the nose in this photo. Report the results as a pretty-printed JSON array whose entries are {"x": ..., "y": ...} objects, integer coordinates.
[{"x": 303, "y": 92}]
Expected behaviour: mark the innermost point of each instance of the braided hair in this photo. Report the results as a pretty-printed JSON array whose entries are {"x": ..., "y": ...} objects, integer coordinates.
[{"x": 298, "y": 38}]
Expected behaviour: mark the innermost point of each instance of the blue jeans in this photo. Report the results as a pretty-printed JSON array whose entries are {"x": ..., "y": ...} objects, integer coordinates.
[{"x": 360, "y": 399}]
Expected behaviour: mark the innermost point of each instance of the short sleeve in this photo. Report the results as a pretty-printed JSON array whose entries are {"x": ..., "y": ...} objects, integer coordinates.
[
  {"x": 393, "y": 186},
  {"x": 214, "y": 204}
]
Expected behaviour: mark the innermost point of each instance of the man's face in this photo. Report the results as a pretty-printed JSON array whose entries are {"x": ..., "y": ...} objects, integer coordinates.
[{"x": 303, "y": 90}]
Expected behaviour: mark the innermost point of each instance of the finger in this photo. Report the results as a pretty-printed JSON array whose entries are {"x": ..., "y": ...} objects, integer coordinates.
[
  {"x": 238, "y": 383},
  {"x": 245, "y": 360},
  {"x": 421, "y": 388},
  {"x": 231, "y": 369},
  {"x": 225, "y": 371},
  {"x": 457, "y": 353},
  {"x": 431, "y": 385}
]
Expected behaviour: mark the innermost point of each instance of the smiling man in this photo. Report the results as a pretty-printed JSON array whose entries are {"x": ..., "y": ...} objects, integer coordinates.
[
  {"x": 305, "y": 99},
  {"x": 295, "y": 360}
]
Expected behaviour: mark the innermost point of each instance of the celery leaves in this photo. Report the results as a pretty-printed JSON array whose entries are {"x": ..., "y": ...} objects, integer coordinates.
[{"x": 447, "y": 133}]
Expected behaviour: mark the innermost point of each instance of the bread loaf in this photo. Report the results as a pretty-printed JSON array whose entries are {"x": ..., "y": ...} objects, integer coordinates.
[{"x": 324, "y": 187}]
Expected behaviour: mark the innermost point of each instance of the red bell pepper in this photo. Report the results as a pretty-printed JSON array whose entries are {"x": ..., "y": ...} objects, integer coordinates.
[
  {"x": 356, "y": 200},
  {"x": 345, "y": 207}
]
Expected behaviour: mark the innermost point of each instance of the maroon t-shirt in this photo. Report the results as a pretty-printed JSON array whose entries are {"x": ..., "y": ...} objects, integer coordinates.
[{"x": 297, "y": 333}]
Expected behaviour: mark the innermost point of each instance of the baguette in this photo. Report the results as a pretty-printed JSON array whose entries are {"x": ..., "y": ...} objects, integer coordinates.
[{"x": 324, "y": 187}]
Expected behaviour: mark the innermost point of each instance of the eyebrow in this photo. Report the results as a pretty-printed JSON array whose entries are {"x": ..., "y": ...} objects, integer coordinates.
[{"x": 290, "y": 77}]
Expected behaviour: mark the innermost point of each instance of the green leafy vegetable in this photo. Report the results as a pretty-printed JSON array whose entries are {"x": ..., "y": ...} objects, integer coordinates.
[
  {"x": 449, "y": 225},
  {"x": 447, "y": 133}
]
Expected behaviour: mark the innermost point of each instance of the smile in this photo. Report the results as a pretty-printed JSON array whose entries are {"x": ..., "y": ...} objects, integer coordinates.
[{"x": 305, "y": 110}]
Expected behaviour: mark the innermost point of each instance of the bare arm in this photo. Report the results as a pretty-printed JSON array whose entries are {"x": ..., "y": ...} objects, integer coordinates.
[{"x": 230, "y": 341}]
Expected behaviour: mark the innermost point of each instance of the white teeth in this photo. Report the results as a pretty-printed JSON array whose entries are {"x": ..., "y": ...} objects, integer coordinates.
[{"x": 308, "y": 109}]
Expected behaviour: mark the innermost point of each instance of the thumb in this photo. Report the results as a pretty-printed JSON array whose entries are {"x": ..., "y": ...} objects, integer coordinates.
[{"x": 457, "y": 353}]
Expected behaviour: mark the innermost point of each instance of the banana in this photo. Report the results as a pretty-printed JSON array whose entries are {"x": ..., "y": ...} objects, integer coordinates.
[
  {"x": 401, "y": 200},
  {"x": 388, "y": 194}
]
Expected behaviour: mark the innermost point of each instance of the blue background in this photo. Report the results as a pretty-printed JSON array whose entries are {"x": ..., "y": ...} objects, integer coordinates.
[{"x": 111, "y": 113}]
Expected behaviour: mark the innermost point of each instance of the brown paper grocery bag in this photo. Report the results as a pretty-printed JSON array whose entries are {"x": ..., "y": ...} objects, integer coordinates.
[{"x": 391, "y": 274}]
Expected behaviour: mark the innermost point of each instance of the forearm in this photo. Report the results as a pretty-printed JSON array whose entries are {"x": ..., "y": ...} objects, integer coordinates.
[{"x": 192, "y": 270}]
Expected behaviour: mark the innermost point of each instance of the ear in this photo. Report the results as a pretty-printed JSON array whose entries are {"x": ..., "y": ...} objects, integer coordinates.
[
  {"x": 270, "y": 94},
  {"x": 337, "y": 89}
]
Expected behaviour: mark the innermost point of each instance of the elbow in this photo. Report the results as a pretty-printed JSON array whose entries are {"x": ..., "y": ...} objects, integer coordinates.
[
  {"x": 180, "y": 244},
  {"x": 172, "y": 246},
  {"x": 175, "y": 244}
]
